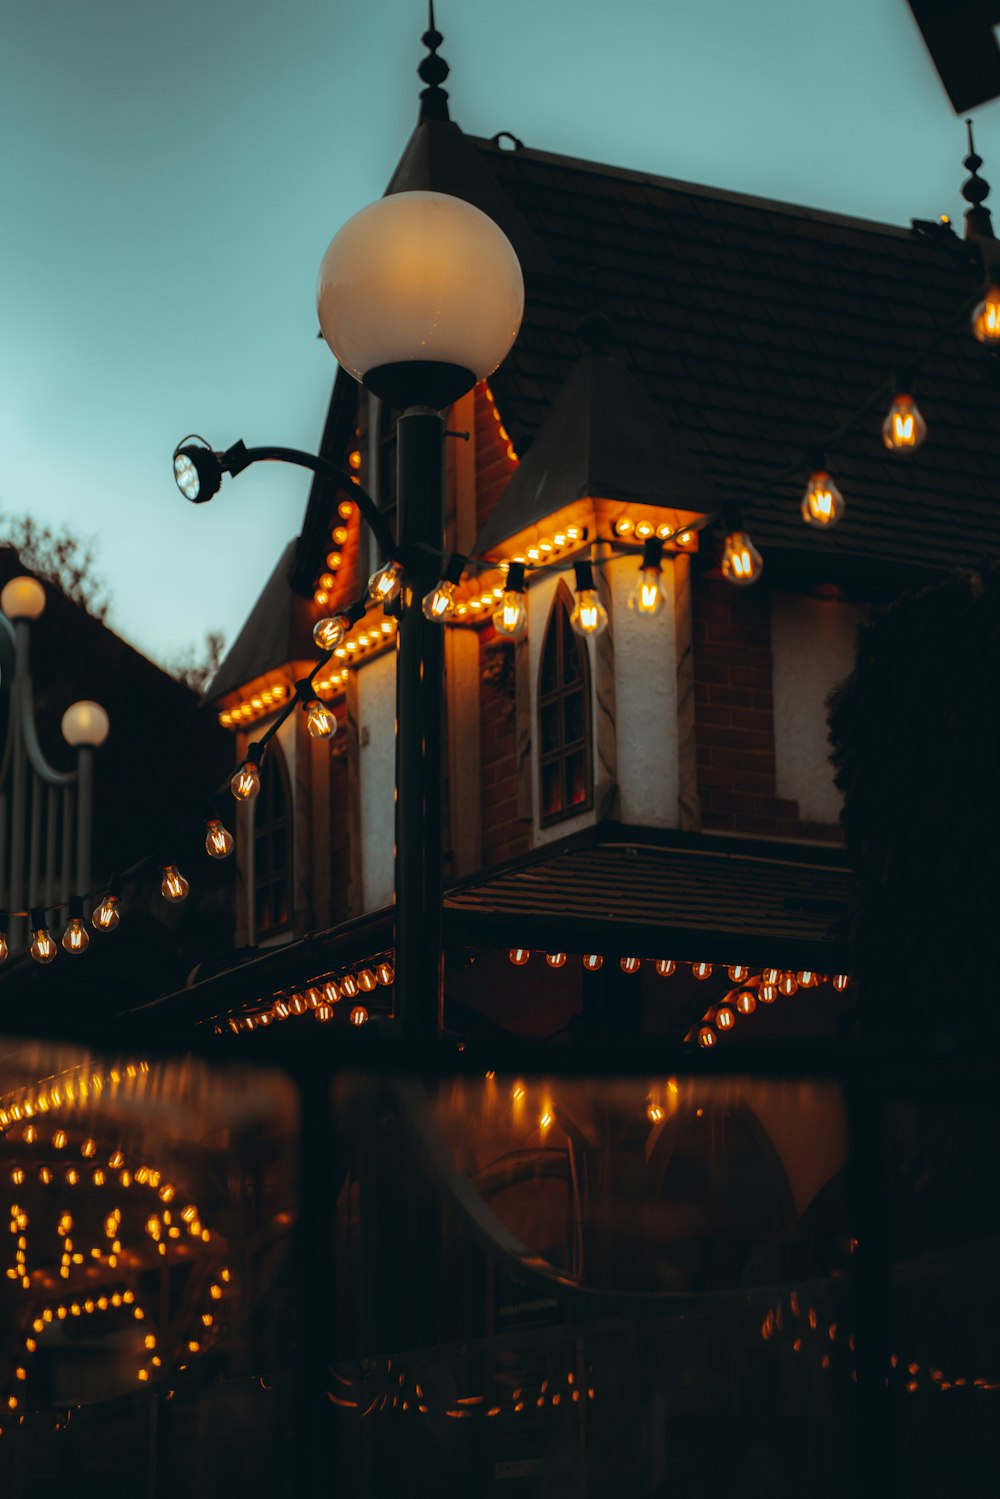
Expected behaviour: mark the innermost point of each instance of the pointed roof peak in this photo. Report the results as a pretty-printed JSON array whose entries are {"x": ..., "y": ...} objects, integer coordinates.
[{"x": 433, "y": 71}]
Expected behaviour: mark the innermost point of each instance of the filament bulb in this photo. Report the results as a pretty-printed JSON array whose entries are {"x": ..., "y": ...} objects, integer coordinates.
[
  {"x": 173, "y": 887},
  {"x": 384, "y": 585},
  {"x": 440, "y": 602},
  {"x": 320, "y": 721},
  {"x": 725, "y": 1019},
  {"x": 739, "y": 973},
  {"x": 43, "y": 949},
  {"x": 904, "y": 429},
  {"x": 245, "y": 784},
  {"x": 219, "y": 842},
  {"x": 707, "y": 1036},
  {"x": 511, "y": 619},
  {"x": 592, "y": 961},
  {"x": 629, "y": 965},
  {"x": 742, "y": 564},
  {"x": 519, "y": 956},
  {"x": 986, "y": 318},
  {"x": 822, "y": 503},
  {"x": 329, "y": 633},
  {"x": 589, "y": 616},
  {"x": 665, "y": 967},
  {"x": 649, "y": 595},
  {"x": 746, "y": 1002},
  {"x": 75, "y": 938},
  {"x": 4, "y": 947},
  {"x": 106, "y": 915},
  {"x": 359, "y": 1015}
]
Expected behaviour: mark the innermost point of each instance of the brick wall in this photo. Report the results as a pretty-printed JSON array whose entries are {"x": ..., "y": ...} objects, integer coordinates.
[
  {"x": 505, "y": 834},
  {"x": 734, "y": 716}
]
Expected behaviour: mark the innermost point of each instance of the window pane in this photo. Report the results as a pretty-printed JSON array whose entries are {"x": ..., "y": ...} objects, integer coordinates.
[
  {"x": 573, "y": 718},
  {"x": 551, "y": 790},
  {"x": 550, "y": 728},
  {"x": 576, "y": 781}
]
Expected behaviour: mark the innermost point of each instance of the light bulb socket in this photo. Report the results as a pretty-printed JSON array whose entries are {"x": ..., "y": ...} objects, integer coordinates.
[
  {"x": 75, "y": 907},
  {"x": 305, "y": 691},
  {"x": 38, "y": 922},
  {"x": 652, "y": 553},
  {"x": 514, "y": 581},
  {"x": 255, "y": 754},
  {"x": 817, "y": 464},
  {"x": 455, "y": 568},
  {"x": 584, "y": 576},
  {"x": 4, "y": 921}
]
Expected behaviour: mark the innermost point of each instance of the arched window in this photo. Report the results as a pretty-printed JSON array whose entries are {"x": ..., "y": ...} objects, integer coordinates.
[
  {"x": 566, "y": 784},
  {"x": 272, "y": 848}
]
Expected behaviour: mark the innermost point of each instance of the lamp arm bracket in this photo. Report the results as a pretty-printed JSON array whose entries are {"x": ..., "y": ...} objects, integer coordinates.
[{"x": 346, "y": 484}]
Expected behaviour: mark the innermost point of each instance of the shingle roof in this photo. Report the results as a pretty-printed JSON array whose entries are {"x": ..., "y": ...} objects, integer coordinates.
[
  {"x": 758, "y": 327},
  {"x": 689, "y": 902}
]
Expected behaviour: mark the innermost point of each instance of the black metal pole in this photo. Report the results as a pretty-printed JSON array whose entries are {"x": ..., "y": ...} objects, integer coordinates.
[{"x": 419, "y": 716}]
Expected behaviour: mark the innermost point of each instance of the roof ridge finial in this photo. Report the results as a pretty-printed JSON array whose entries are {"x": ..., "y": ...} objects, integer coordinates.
[
  {"x": 433, "y": 70},
  {"x": 975, "y": 190}
]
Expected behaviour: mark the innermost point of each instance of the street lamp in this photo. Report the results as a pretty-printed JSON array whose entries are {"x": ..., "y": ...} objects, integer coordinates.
[{"x": 420, "y": 296}]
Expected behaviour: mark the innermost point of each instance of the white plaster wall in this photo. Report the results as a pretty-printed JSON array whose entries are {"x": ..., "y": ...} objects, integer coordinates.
[
  {"x": 645, "y": 700},
  {"x": 813, "y": 644},
  {"x": 540, "y": 596},
  {"x": 377, "y": 753}
]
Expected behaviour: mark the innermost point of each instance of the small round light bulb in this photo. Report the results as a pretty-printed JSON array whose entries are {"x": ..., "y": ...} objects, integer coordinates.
[
  {"x": 76, "y": 938},
  {"x": 986, "y": 318},
  {"x": 321, "y": 722},
  {"x": 359, "y": 1015},
  {"x": 219, "y": 842},
  {"x": 173, "y": 887},
  {"x": 519, "y": 956},
  {"x": 511, "y": 618},
  {"x": 742, "y": 564},
  {"x": 329, "y": 633},
  {"x": 666, "y": 967},
  {"x": 106, "y": 915},
  {"x": 904, "y": 429},
  {"x": 245, "y": 784},
  {"x": 822, "y": 503},
  {"x": 589, "y": 616},
  {"x": 385, "y": 583},
  {"x": 43, "y": 949},
  {"x": 440, "y": 602}
]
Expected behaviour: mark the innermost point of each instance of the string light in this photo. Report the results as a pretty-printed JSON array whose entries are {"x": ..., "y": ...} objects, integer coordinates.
[
  {"x": 725, "y": 1019},
  {"x": 555, "y": 959},
  {"x": 701, "y": 970},
  {"x": 106, "y": 914},
  {"x": 986, "y": 318},
  {"x": 173, "y": 887},
  {"x": 592, "y": 961},
  {"x": 746, "y": 1002},
  {"x": 511, "y": 619},
  {"x": 665, "y": 967},
  {"x": 707, "y": 1036},
  {"x": 331, "y": 632},
  {"x": 742, "y": 564},
  {"x": 904, "y": 429},
  {"x": 629, "y": 965},
  {"x": 822, "y": 503},
  {"x": 219, "y": 842},
  {"x": 738, "y": 973},
  {"x": 359, "y": 1015},
  {"x": 589, "y": 616},
  {"x": 43, "y": 949},
  {"x": 4, "y": 944},
  {"x": 386, "y": 582},
  {"x": 245, "y": 784},
  {"x": 321, "y": 723},
  {"x": 648, "y": 596},
  {"x": 76, "y": 938},
  {"x": 519, "y": 956},
  {"x": 440, "y": 602}
]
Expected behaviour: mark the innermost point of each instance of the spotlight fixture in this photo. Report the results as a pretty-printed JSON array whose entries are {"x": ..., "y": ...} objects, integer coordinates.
[{"x": 198, "y": 470}]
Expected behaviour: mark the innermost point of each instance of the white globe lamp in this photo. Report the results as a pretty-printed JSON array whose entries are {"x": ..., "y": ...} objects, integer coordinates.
[
  {"x": 22, "y": 598},
  {"x": 420, "y": 296},
  {"x": 85, "y": 723}
]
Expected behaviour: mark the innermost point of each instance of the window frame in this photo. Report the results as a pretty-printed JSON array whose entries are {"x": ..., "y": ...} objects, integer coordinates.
[{"x": 557, "y": 626}]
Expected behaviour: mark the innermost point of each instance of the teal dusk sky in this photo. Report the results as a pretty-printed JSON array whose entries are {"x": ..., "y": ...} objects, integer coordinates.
[{"x": 172, "y": 177}]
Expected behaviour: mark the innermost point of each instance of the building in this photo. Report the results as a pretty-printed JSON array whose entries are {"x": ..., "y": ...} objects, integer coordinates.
[{"x": 528, "y": 1284}]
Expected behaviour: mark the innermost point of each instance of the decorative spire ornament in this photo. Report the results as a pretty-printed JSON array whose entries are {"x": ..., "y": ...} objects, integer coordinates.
[
  {"x": 433, "y": 71},
  {"x": 975, "y": 191}
]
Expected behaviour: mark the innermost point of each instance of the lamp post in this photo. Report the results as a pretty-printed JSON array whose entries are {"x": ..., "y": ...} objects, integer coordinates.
[{"x": 420, "y": 296}]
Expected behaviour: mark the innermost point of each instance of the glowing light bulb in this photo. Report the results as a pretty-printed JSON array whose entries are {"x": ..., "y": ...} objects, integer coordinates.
[
  {"x": 746, "y": 1002},
  {"x": 320, "y": 721},
  {"x": 173, "y": 887},
  {"x": 511, "y": 619},
  {"x": 738, "y": 973},
  {"x": 770, "y": 976},
  {"x": 788, "y": 984},
  {"x": 649, "y": 595},
  {"x": 219, "y": 843},
  {"x": 43, "y": 949},
  {"x": 904, "y": 429},
  {"x": 348, "y": 986},
  {"x": 519, "y": 956},
  {"x": 106, "y": 915},
  {"x": 654, "y": 1113},
  {"x": 385, "y": 584},
  {"x": 329, "y": 633},
  {"x": 589, "y": 616},
  {"x": 665, "y": 967},
  {"x": 742, "y": 564},
  {"x": 629, "y": 965},
  {"x": 4, "y": 947},
  {"x": 986, "y": 318},
  {"x": 701, "y": 970},
  {"x": 359, "y": 1015},
  {"x": 245, "y": 784},
  {"x": 440, "y": 602},
  {"x": 841, "y": 981},
  {"x": 767, "y": 993},
  {"x": 555, "y": 959},
  {"x": 725, "y": 1019},
  {"x": 366, "y": 980},
  {"x": 808, "y": 979},
  {"x": 75, "y": 938},
  {"x": 822, "y": 503},
  {"x": 385, "y": 974},
  {"x": 592, "y": 961},
  {"x": 707, "y": 1036}
]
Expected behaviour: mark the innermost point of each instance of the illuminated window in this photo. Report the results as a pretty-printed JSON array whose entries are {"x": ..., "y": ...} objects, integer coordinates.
[
  {"x": 272, "y": 848},
  {"x": 565, "y": 780}
]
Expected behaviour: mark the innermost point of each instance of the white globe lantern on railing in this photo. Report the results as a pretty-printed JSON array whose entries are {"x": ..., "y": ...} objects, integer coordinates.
[
  {"x": 22, "y": 598},
  {"x": 85, "y": 723},
  {"x": 420, "y": 296}
]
